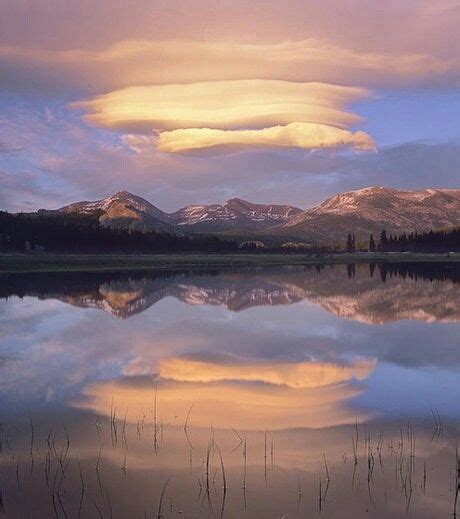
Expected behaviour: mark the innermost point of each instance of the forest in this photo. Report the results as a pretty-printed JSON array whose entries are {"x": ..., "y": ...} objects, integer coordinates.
[
  {"x": 83, "y": 234},
  {"x": 432, "y": 241}
]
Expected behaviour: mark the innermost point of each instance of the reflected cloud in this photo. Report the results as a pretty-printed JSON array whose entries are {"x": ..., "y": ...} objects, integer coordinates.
[
  {"x": 226, "y": 405},
  {"x": 239, "y": 393},
  {"x": 296, "y": 375}
]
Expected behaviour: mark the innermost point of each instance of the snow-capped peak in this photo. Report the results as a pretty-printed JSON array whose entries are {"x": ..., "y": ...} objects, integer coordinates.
[{"x": 235, "y": 212}]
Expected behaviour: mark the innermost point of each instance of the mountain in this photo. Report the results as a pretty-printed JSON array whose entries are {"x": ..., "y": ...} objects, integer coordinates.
[
  {"x": 235, "y": 214},
  {"x": 124, "y": 210},
  {"x": 372, "y": 209},
  {"x": 364, "y": 211}
]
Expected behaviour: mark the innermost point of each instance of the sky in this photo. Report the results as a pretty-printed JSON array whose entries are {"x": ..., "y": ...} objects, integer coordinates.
[{"x": 198, "y": 101}]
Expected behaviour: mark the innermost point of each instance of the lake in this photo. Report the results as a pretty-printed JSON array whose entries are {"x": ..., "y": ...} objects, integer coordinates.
[{"x": 327, "y": 391}]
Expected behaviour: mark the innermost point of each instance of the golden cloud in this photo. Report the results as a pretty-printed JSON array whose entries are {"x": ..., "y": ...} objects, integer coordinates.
[
  {"x": 223, "y": 105},
  {"x": 227, "y": 405},
  {"x": 292, "y": 374},
  {"x": 294, "y": 135},
  {"x": 250, "y": 395},
  {"x": 139, "y": 62},
  {"x": 240, "y": 113}
]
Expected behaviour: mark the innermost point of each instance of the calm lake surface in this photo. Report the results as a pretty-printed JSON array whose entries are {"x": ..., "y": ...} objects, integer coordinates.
[{"x": 264, "y": 393}]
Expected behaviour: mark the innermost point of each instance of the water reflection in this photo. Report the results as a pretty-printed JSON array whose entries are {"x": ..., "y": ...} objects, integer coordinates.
[
  {"x": 292, "y": 375},
  {"x": 249, "y": 396},
  {"x": 113, "y": 469},
  {"x": 297, "y": 375},
  {"x": 375, "y": 293}
]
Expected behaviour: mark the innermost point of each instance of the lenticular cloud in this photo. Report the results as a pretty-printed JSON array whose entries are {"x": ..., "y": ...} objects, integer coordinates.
[
  {"x": 294, "y": 135},
  {"x": 241, "y": 113}
]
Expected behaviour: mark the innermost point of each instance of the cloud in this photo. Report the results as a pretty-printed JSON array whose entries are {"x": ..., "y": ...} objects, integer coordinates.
[
  {"x": 67, "y": 24},
  {"x": 294, "y": 135},
  {"x": 121, "y": 43},
  {"x": 141, "y": 62},
  {"x": 140, "y": 66},
  {"x": 68, "y": 161},
  {"x": 73, "y": 162},
  {"x": 223, "y": 105},
  {"x": 138, "y": 143},
  {"x": 229, "y": 405},
  {"x": 21, "y": 191},
  {"x": 295, "y": 375},
  {"x": 8, "y": 147},
  {"x": 262, "y": 113}
]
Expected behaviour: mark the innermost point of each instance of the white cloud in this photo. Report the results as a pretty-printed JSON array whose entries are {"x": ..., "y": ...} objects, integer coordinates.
[
  {"x": 261, "y": 113},
  {"x": 294, "y": 135},
  {"x": 138, "y": 143},
  {"x": 223, "y": 105}
]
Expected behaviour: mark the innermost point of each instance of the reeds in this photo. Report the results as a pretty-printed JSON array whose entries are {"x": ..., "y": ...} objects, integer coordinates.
[
  {"x": 69, "y": 492},
  {"x": 224, "y": 483},
  {"x": 186, "y": 427},
  {"x": 438, "y": 428},
  {"x": 457, "y": 480},
  {"x": 113, "y": 425}
]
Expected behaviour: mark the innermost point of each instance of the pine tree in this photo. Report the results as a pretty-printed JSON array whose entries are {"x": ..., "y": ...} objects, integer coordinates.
[
  {"x": 383, "y": 242},
  {"x": 349, "y": 243},
  {"x": 371, "y": 244}
]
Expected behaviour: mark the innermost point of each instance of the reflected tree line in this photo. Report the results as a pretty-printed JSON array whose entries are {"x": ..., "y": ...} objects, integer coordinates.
[
  {"x": 425, "y": 271},
  {"x": 47, "y": 284}
]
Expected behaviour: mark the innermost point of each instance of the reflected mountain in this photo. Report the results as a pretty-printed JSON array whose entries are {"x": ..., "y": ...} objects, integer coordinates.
[{"x": 372, "y": 293}]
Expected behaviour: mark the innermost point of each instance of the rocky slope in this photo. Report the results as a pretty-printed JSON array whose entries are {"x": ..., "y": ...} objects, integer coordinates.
[
  {"x": 372, "y": 209},
  {"x": 235, "y": 214},
  {"x": 124, "y": 210},
  {"x": 361, "y": 212}
]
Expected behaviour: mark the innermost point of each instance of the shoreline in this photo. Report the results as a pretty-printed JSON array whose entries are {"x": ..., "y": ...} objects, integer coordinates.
[{"x": 17, "y": 263}]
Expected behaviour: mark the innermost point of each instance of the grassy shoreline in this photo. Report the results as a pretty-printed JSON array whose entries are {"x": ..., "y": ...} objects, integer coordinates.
[{"x": 10, "y": 263}]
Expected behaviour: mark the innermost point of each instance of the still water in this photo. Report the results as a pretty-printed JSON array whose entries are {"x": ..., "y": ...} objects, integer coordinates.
[{"x": 289, "y": 392}]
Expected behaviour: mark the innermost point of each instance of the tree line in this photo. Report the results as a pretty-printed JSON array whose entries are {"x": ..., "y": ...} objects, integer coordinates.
[
  {"x": 44, "y": 232},
  {"x": 431, "y": 241},
  {"x": 83, "y": 234}
]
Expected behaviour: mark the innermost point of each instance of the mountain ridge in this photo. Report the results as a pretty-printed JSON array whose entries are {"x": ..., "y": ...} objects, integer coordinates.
[
  {"x": 123, "y": 210},
  {"x": 362, "y": 212},
  {"x": 236, "y": 212},
  {"x": 371, "y": 209}
]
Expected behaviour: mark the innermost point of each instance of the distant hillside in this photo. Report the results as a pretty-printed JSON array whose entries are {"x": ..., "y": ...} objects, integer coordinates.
[
  {"x": 124, "y": 210},
  {"x": 236, "y": 214},
  {"x": 360, "y": 212},
  {"x": 373, "y": 209}
]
